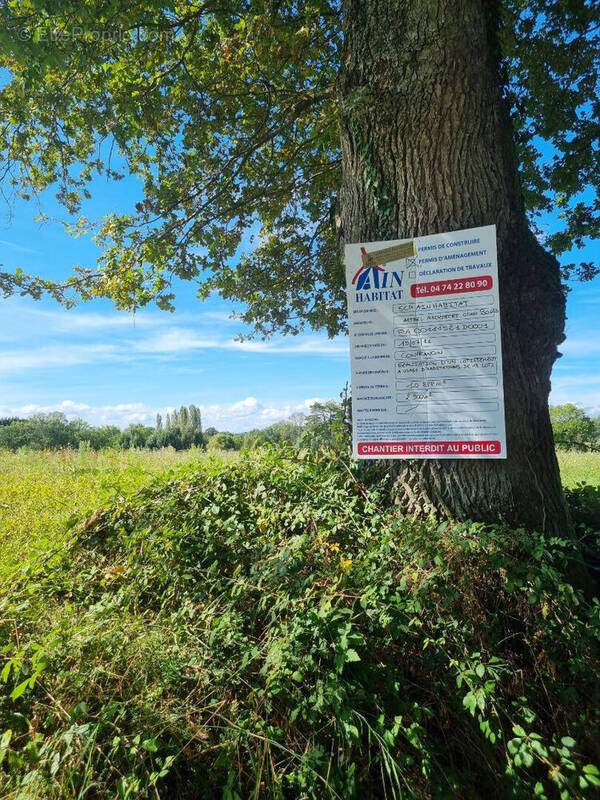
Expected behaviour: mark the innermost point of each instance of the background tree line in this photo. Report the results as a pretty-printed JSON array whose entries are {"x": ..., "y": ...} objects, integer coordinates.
[
  {"x": 573, "y": 429},
  {"x": 180, "y": 429}
]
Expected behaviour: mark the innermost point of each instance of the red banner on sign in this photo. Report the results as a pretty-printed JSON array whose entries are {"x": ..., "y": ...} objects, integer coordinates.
[
  {"x": 480, "y": 283},
  {"x": 416, "y": 449}
]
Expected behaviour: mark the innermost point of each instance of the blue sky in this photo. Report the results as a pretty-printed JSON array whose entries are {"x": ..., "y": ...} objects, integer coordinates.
[
  {"x": 107, "y": 367},
  {"x": 111, "y": 367}
]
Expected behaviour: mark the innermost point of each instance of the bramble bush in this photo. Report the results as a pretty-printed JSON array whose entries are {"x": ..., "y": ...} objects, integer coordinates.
[
  {"x": 272, "y": 628},
  {"x": 583, "y": 501}
]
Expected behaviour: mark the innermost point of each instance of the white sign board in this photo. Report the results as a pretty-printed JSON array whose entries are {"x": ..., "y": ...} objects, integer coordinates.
[{"x": 424, "y": 324}]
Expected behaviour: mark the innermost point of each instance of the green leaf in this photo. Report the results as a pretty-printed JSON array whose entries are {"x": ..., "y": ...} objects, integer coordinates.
[
  {"x": 54, "y": 764},
  {"x": 350, "y": 730},
  {"x": 470, "y": 702},
  {"x": 513, "y": 746},
  {"x": 539, "y": 748},
  {"x": 150, "y": 745},
  {"x": 527, "y": 758},
  {"x": 591, "y": 769},
  {"x": 18, "y": 691},
  {"x": 568, "y": 742}
]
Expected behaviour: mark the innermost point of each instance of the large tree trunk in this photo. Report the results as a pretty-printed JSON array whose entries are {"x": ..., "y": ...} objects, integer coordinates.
[{"x": 427, "y": 147}]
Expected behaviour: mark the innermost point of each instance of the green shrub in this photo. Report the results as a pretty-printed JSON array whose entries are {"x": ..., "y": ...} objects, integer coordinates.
[
  {"x": 271, "y": 628},
  {"x": 221, "y": 441},
  {"x": 583, "y": 501},
  {"x": 584, "y": 504}
]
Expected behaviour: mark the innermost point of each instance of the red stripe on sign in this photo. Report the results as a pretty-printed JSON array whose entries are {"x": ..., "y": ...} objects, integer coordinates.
[
  {"x": 480, "y": 283},
  {"x": 491, "y": 448}
]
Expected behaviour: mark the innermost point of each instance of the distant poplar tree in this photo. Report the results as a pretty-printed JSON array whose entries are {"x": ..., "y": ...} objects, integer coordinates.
[
  {"x": 182, "y": 429},
  {"x": 183, "y": 417},
  {"x": 195, "y": 418}
]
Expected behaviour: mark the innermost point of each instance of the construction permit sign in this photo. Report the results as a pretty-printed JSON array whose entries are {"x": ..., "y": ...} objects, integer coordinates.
[{"x": 424, "y": 325}]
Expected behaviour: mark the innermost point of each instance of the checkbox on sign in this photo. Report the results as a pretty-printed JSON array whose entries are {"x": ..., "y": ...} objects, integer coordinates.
[{"x": 412, "y": 274}]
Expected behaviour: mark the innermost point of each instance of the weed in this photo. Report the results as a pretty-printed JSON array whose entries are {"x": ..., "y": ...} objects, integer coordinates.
[{"x": 271, "y": 628}]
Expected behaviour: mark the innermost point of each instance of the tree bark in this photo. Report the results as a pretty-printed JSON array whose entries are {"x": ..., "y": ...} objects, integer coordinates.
[{"x": 427, "y": 146}]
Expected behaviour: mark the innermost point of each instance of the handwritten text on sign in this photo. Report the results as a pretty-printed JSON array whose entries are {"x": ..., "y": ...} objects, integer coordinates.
[{"x": 424, "y": 323}]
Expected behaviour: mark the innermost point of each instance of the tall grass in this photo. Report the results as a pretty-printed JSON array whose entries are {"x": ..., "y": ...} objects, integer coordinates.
[
  {"x": 42, "y": 494},
  {"x": 578, "y": 467}
]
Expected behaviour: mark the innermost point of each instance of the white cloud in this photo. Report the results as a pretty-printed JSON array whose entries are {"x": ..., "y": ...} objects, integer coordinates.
[
  {"x": 178, "y": 340},
  {"x": 20, "y": 248},
  {"x": 248, "y": 406},
  {"x": 71, "y": 321},
  {"x": 316, "y": 345},
  {"x": 170, "y": 342},
  {"x": 56, "y": 356},
  {"x": 250, "y": 413},
  {"x": 582, "y": 390},
  {"x": 237, "y": 417},
  {"x": 580, "y": 346}
]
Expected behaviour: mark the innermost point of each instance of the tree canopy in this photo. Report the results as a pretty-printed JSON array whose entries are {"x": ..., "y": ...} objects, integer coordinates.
[
  {"x": 229, "y": 112},
  {"x": 53, "y": 430},
  {"x": 572, "y": 427}
]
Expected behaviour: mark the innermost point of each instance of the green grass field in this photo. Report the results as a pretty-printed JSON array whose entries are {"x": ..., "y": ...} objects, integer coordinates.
[
  {"x": 43, "y": 493},
  {"x": 579, "y": 467}
]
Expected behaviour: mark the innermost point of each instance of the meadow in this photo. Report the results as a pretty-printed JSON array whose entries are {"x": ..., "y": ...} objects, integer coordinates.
[
  {"x": 44, "y": 493},
  {"x": 267, "y": 627},
  {"x": 577, "y": 467}
]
